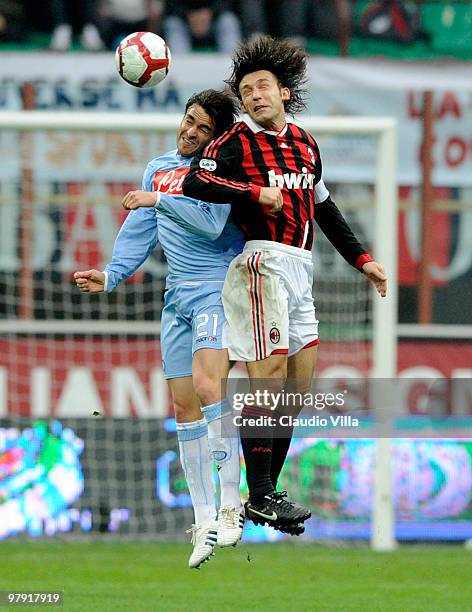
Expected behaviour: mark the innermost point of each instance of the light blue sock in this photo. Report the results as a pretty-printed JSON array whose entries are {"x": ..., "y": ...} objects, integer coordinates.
[
  {"x": 198, "y": 469},
  {"x": 223, "y": 441}
]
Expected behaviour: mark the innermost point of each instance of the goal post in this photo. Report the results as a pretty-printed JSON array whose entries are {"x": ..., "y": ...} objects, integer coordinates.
[
  {"x": 93, "y": 329},
  {"x": 385, "y": 315}
]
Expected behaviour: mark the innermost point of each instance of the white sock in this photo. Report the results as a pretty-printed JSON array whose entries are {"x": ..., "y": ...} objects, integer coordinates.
[
  {"x": 198, "y": 469},
  {"x": 223, "y": 441}
]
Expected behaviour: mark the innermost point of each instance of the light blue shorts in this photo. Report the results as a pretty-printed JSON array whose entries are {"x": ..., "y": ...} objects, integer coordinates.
[{"x": 192, "y": 319}]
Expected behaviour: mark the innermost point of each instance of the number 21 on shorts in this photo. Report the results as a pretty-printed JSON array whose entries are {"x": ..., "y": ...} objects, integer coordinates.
[{"x": 206, "y": 325}]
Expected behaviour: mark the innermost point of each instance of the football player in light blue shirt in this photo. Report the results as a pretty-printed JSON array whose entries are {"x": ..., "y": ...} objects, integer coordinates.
[{"x": 194, "y": 359}]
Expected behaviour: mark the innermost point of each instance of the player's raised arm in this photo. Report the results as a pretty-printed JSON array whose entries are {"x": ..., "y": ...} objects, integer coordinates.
[{"x": 213, "y": 176}]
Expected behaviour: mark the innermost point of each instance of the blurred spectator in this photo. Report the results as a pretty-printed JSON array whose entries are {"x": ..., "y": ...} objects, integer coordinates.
[
  {"x": 123, "y": 17},
  {"x": 331, "y": 20},
  {"x": 323, "y": 19},
  {"x": 397, "y": 20},
  {"x": 66, "y": 15},
  {"x": 201, "y": 23},
  {"x": 298, "y": 19},
  {"x": 11, "y": 20},
  {"x": 281, "y": 18}
]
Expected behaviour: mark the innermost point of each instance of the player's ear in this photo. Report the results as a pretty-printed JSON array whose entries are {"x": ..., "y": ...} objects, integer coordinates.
[
  {"x": 285, "y": 93},
  {"x": 242, "y": 107}
]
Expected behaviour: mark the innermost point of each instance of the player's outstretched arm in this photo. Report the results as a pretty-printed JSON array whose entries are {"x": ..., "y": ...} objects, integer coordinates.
[
  {"x": 90, "y": 281},
  {"x": 337, "y": 231},
  {"x": 376, "y": 275},
  {"x": 136, "y": 240}
]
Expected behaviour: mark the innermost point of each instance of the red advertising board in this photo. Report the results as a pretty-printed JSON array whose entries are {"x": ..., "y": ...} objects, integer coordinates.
[{"x": 121, "y": 378}]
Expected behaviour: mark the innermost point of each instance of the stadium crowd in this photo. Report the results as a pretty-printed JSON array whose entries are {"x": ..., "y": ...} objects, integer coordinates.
[{"x": 206, "y": 24}]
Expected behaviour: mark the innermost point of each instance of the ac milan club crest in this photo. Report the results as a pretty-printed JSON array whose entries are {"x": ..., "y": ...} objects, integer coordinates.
[{"x": 274, "y": 335}]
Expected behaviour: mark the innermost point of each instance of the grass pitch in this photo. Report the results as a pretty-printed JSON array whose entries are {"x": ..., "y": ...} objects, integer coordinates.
[{"x": 112, "y": 576}]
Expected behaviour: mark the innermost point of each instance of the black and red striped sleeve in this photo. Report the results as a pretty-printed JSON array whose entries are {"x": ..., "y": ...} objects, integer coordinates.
[
  {"x": 215, "y": 175},
  {"x": 336, "y": 229}
]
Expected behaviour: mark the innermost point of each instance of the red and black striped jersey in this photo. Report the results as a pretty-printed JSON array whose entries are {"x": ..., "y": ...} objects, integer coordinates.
[{"x": 233, "y": 168}]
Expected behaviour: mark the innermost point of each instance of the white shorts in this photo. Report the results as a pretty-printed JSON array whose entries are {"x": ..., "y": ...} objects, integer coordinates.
[{"x": 268, "y": 301}]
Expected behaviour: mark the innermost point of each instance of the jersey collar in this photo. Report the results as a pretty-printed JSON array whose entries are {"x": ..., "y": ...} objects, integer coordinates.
[{"x": 255, "y": 127}]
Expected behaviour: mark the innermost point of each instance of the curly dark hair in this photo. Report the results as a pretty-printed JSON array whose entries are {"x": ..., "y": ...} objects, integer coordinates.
[
  {"x": 286, "y": 61},
  {"x": 219, "y": 105}
]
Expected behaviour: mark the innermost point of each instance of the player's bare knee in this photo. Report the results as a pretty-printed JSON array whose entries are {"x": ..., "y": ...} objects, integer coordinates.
[
  {"x": 277, "y": 371},
  {"x": 273, "y": 367},
  {"x": 181, "y": 413},
  {"x": 185, "y": 413},
  {"x": 207, "y": 389}
]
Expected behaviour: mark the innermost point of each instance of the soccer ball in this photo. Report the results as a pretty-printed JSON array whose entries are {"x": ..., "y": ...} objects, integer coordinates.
[{"x": 143, "y": 59}]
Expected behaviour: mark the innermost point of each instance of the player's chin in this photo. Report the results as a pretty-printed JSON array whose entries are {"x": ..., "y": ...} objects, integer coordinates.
[
  {"x": 262, "y": 113},
  {"x": 186, "y": 149}
]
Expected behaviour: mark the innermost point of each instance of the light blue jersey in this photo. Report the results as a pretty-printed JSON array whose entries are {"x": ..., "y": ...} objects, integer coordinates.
[{"x": 199, "y": 242}]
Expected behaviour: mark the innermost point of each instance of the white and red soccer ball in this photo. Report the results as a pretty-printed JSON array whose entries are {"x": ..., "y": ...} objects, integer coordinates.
[{"x": 143, "y": 59}]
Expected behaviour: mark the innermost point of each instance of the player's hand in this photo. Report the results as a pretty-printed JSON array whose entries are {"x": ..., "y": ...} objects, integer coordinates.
[
  {"x": 376, "y": 275},
  {"x": 272, "y": 198},
  {"x": 90, "y": 281},
  {"x": 138, "y": 199}
]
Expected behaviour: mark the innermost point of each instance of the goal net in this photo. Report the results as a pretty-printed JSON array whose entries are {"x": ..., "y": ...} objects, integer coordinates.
[{"x": 87, "y": 439}]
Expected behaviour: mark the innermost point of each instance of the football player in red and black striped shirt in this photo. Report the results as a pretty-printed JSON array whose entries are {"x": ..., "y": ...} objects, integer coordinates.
[{"x": 270, "y": 170}]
